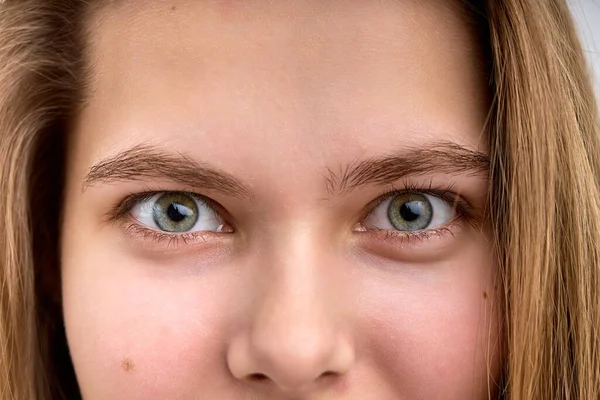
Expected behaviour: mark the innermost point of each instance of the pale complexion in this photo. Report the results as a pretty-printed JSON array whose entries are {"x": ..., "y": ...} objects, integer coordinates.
[{"x": 297, "y": 285}]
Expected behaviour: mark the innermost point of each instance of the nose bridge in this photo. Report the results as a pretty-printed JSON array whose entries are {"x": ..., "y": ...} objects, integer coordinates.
[
  {"x": 296, "y": 334},
  {"x": 294, "y": 327},
  {"x": 292, "y": 334}
]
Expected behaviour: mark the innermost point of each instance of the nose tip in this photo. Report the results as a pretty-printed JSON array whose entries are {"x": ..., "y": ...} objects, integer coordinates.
[
  {"x": 293, "y": 360},
  {"x": 301, "y": 357}
]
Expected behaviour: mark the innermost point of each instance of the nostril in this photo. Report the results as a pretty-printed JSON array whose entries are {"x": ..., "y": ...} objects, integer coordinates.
[
  {"x": 257, "y": 377},
  {"x": 328, "y": 374}
]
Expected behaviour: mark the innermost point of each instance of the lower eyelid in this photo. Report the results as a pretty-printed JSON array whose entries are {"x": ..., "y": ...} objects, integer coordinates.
[
  {"x": 402, "y": 239},
  {"x": 456, "y": 221},
  {"x": 143, "y": 234}
]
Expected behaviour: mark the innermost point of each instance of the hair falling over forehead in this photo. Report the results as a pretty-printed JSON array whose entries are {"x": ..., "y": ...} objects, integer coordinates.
[{"x": 544, "y": 207}]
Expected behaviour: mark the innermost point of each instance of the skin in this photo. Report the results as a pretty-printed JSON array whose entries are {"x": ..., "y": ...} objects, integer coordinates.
[{"x": 300, "y": 297}]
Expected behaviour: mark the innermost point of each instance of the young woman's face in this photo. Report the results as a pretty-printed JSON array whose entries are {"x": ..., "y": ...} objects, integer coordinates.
[{"x": 281, "y": 200}]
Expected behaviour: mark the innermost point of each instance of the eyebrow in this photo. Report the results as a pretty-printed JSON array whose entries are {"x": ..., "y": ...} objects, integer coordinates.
[
  {"x": 441, "y": 157},
  {"x": 148, "y": 162}
]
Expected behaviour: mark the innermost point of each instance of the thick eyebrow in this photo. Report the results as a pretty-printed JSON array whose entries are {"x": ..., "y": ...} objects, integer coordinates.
[
  {"x": 144, "y": 162},
  {"x": 442, "y": 157}
]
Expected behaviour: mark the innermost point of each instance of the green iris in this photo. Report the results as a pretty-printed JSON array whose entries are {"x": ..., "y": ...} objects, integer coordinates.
[
  {"x": 410, "y": 212},
  {"x": 175, "y": 212}
]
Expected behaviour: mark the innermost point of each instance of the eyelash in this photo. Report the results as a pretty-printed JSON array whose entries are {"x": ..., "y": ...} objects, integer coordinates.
[{"x": 464, "y": 213}]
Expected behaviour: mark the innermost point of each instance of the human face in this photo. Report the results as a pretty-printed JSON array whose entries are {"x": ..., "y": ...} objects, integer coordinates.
[{"x": 225, "y": 234}]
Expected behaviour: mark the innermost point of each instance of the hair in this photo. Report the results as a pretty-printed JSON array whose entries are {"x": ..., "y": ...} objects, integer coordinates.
[{"x": 544, "y": 194}]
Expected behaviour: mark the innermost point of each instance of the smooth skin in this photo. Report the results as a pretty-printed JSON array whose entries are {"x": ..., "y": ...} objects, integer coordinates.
[{"x": 297, "y": 286}]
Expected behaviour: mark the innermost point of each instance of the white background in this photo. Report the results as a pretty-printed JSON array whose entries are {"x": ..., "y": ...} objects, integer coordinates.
[{"x": 587, "y": 15}]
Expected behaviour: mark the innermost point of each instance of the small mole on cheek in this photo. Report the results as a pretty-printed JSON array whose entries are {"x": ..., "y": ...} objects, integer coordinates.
[
  {"x": 484, "y": 295},
  {"x": 173, "y": 8},
  {"x": 127, "y": 365}
]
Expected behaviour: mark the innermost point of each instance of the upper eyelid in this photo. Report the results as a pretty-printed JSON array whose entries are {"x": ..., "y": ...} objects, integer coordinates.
[
  {"x": 459, "y": 204},
  {"x": 126, "y": 205}
]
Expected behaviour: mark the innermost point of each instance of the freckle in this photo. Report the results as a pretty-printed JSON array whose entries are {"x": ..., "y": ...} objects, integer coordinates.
[
  {"x": 127, "y": 365},
  {"x": 173, "y": 8},
  {"x": 484, "y": 295}
]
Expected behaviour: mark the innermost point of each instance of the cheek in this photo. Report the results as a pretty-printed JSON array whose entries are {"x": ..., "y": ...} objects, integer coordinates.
[
  {"x": 435, "y": 332},
  {"x": 129, "y": 328}
]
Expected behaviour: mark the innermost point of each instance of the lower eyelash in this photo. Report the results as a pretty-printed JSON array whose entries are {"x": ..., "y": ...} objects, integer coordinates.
[
  {"x": 406, "y": 238},
  {"x": 420, "y": 235},
  {"x": 138, "y": 231}
]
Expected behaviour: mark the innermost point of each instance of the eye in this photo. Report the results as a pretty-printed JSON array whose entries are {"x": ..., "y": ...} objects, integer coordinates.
[
  {"x": 410, "y": 212},
  {"x": 177, "y": 212}
]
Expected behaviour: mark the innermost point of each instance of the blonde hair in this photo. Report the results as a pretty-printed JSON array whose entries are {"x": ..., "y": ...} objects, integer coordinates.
[{"x": 544, "y": 207}]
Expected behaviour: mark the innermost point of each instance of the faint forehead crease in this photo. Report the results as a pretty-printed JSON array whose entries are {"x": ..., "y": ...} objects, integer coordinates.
[
  {"x": 144, "y": 161},
  {"x": 444, "y": 158}
]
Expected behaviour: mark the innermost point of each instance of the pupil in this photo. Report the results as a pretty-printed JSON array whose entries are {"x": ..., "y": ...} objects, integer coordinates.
[
  {"x": 410, "y": 211},
  {"x": 177, "y": 212}
]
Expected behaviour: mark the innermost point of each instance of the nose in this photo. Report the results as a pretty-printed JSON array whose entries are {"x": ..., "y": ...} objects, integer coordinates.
[{"x": 295, "y": 340}]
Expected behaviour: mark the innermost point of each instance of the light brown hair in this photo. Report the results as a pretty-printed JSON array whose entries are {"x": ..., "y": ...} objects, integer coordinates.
[{"x": 544, "y": 207}]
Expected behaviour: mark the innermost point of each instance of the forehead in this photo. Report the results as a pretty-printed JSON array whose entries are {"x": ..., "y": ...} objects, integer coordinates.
[{"x": 318, "y": 77}]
